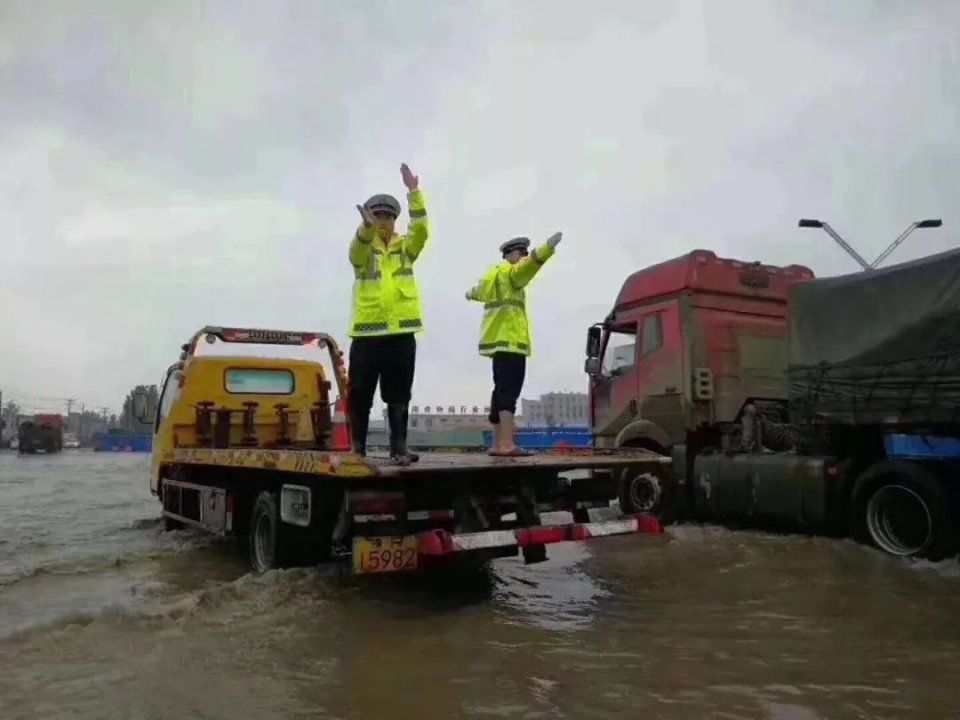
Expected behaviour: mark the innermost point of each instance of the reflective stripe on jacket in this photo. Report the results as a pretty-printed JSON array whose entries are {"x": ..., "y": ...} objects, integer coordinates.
[
  {"x": 506, "y": 327},
  {"x": 386, "y": 300}
]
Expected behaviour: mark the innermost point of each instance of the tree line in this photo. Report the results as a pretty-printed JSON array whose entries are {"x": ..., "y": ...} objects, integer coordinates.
[{"x": 85, "y": 422}]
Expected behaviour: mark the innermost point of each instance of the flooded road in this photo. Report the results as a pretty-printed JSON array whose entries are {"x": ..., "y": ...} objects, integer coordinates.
[{"x": 103, "y": 615}]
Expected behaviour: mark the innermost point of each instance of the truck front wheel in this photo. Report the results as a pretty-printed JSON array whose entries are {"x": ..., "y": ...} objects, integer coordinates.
[
  {"x": 904, "y": 510},
  {"x": 266, "y": 534},
  {"x": 649, "y": 490}
]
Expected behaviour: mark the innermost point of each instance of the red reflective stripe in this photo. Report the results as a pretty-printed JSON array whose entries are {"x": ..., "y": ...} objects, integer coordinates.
[
  {"x": 649, "y": 524},
  {"x": 441, "y": 542},
  {"x": 542, "y": 535},
  {"x": 434, "y": 543}
]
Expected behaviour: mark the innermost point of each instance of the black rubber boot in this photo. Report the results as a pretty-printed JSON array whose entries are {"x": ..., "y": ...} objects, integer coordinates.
[
  {"x": 359, "y": 426},
  {"x": 414, "y": 457},
  {"x": 396, "y": 416}
]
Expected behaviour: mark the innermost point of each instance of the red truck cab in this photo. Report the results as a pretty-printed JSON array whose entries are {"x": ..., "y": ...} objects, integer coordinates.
[{"x": 688, "y": 342}]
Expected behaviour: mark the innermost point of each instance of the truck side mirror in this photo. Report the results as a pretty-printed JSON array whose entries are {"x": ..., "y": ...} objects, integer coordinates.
[
  {"x": 594, "y": 336},
  {"x": 592, "y": 366},
  {"x": 140, "y": 407}
]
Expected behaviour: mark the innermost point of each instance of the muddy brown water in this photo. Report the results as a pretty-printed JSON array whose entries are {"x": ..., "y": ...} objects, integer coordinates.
[{"x": 103, "y": 615}]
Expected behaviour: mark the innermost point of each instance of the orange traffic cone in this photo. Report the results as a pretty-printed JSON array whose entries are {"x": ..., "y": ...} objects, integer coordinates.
[{"x": 340, "y": 437}]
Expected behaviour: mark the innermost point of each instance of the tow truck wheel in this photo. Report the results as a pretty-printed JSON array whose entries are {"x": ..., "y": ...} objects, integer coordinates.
[
  {"x": 904, "y": 510},
  {"x": 648, "y": 490},
  {"x": 266, "y": 535}
]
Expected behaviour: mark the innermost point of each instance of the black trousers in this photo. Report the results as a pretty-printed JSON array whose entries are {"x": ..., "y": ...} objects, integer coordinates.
[
  {"x": 389, "y": 360},
  {"x": 509, "y": 372}
]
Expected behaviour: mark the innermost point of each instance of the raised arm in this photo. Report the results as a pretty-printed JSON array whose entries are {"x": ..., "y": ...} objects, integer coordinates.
[
  {"x": 418, "y": 231},
  {"x": 525, "y": 270},
  {"x": 362, "y": 244}
]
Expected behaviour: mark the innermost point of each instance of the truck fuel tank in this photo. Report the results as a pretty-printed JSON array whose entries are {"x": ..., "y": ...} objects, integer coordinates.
[{"x": 779, "y": 488}]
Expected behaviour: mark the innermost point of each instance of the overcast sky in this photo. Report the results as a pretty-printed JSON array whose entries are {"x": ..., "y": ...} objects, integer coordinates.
[{"x": 169, "y": 165}]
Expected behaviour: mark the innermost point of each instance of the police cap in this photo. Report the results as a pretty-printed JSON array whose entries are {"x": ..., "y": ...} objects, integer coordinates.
[
  {"x": 519, "y": 243},
  {"x": 383, "y": 203}
]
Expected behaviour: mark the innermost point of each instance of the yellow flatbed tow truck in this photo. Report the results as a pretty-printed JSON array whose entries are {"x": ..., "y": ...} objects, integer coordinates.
[{"x": 257, "y": 447}]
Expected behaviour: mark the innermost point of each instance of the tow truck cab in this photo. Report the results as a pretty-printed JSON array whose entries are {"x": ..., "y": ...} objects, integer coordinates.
[{"x": 212, "y": 400}]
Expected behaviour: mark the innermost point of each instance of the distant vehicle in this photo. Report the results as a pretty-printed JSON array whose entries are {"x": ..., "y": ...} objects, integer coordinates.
[
  {"x": 43, "y": 433},
  {"x": 70, "y": 441},
  {"x": 830, "y": 405}
]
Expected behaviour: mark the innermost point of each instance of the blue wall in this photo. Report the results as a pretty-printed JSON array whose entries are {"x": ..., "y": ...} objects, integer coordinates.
[
  {"x": 122, "y": 443},
  {"x": 541, "y": 438}
]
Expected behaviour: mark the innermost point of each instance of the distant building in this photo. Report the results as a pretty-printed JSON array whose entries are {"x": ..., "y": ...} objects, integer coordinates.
[
  {"x": 446, "y": 417},
  {"x": 557, "y": 409}
]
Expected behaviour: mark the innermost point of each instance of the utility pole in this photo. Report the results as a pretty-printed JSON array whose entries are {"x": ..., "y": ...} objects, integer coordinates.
[
  {"x": 70, "y": 402},
  {"x": 83, "y": 409}
]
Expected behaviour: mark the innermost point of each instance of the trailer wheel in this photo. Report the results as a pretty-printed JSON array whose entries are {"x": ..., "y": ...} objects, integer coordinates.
[
  {"x": 649, "y": 490},
  {"x": 266, "y": 535},
  {"x": 904, "y": 510}
]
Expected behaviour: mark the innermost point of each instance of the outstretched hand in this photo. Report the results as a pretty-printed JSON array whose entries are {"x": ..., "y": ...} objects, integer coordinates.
[
  {"x": 554, "y": 239},
  {"x": 468, "y": 295},
  {"x": 366, "y": 215},
  {"x": 409, "y": 179}
]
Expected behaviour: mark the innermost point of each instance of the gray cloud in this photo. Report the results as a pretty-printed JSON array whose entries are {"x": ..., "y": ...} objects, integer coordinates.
[{"x": 166, "y": 166}]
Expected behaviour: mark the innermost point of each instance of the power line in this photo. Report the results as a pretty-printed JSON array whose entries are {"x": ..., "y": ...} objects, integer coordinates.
[
  {"x": 31, "y": 397},
  {"x": 32, "y": 403}
]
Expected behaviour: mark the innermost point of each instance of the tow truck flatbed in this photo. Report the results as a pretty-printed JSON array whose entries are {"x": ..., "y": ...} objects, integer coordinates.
[
  {"x": 259, "y": 447},
  {"x": 348, "y": 465}
]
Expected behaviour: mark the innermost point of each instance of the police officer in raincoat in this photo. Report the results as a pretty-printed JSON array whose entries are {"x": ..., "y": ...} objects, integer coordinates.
[
  {"x": 386, "y": 314},
  {"x": 505, "y": 331}
]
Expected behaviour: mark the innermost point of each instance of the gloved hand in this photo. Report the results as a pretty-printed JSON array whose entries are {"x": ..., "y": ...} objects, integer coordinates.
[
  {"x": 409, "y": 179},
  {"x": 366, "y": 215},
  {"x": 554, "y": 240},
  {"x": 468, "y": 295}
]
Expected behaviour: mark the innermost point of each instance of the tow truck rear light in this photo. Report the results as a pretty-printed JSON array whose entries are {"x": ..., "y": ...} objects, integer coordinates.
[
  {"x": 377, "y": 503},
  {"x": 541, "y": 535}
]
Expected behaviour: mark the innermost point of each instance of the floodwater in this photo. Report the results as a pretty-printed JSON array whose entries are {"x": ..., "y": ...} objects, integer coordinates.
[{"x": 103, "y": 615}]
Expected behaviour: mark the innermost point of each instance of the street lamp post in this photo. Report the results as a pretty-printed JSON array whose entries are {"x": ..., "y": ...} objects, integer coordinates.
[
  {"x": 903, "y": 236},
  {"x": 808, "y": 223}
]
